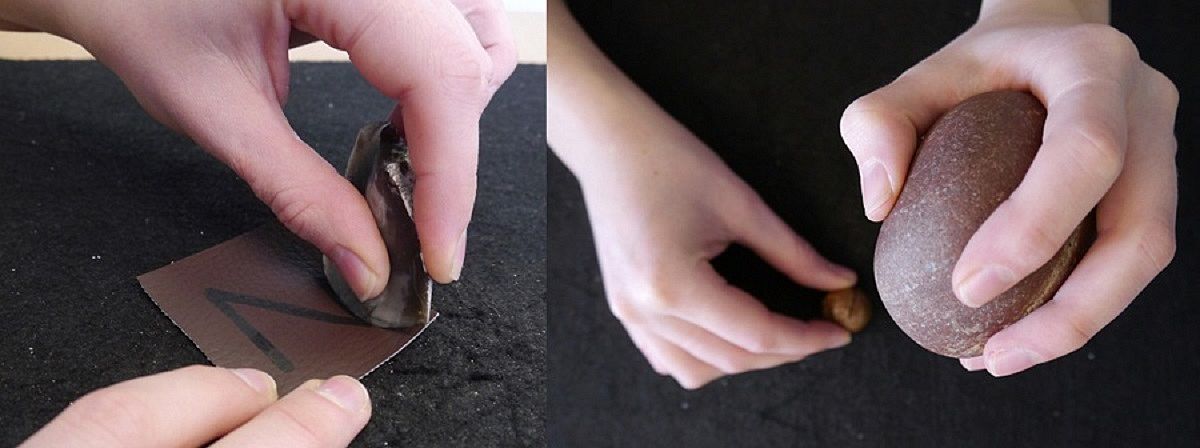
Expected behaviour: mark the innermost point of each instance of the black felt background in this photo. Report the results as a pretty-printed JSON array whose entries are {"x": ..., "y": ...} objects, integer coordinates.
[
  {"x": 93, "y": 193},
  {"x": 764, "y": 83}
]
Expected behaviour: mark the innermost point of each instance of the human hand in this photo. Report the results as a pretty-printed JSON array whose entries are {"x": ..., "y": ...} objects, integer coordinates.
[
  {"x": 197, "y": 405},
  {"x": 218, "y": 71},
  {"x": 1108, "y": 144},
  {"x": 662, "y": 205},
  {"x": 660, "y": 213}
]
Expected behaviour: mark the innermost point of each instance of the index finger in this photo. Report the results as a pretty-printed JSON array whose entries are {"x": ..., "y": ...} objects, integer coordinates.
[
  {"x": 755, "y": 225},
  {"x": 425, "y": 56},
  {"x": 1136, "y": 224},
  {"x": 1082, "y": 153},
  {"x": 490, "y": 22},
  {"x": 739, "y": 318}
]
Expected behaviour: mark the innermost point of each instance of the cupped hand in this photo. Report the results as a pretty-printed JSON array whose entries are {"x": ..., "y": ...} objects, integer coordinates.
[
  {"x": 218, "y": 71},
  {"x": 659, "y": 214},
  {"x": 1108, "y": 144},
  {"x": 198, "y": 405}
]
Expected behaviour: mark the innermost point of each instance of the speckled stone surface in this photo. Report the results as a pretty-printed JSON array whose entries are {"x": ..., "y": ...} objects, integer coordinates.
[
  {"x": 970, "y": 161},
  {"x": 763, "y": 83}
]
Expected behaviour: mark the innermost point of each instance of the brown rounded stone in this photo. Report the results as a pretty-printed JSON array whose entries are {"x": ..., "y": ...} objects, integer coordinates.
[{"x": 970, "y": 161}]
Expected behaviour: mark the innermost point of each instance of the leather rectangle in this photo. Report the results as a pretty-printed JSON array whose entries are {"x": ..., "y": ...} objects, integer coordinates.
[{"x": 261, "y": 300}]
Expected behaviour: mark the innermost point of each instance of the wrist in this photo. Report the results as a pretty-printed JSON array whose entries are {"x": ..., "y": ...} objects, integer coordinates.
[
  {"x": 1077, "y": 11},
  {"x": 600, "y": 139},
  {"x": 595, "y": 113}
]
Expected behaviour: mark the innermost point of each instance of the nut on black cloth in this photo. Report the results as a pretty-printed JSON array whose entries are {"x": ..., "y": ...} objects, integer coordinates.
[
  {"x": 93, "y": 193},
  {"x": 764, "y": 83}
]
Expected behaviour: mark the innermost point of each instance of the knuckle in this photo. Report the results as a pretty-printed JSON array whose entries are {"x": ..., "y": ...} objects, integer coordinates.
[
  {"x": 659, "y": 293},
  {"x": 873, "y": 124},
  {"x": 762, "y": 342},
  {"x": 1099, "y": 150},
  {"x": 1106, "y": 40},
  {"x": 1079, "y": 331},
  {"x": 466, "y": 70},
  {"x": 1166, "y": 90},
  {"x": 662, "y": 301},
  {"x": 860, "y": 112},
  {"x": 301, "y": 430},
  {"x": 655, "y": 364},
  {"x": 743, "y": 209},
  {"x": 1157, "y": 246},
  {"x": 1035, "y": 243},
  {"x": 623, "y": 309},
  {"x": 295, "y": 207},
  {"x": 504, "y": 57},
  {"x": 504, "y": 63},
  {"x": 366, "y": 16},
  {"x": 111, "y": 414},
  {"x": 691, "y": 381},
  {"x": 732, "y": 364}
]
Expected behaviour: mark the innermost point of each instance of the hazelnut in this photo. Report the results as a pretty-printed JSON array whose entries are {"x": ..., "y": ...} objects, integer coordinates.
[{"x": 849, "y": 308}]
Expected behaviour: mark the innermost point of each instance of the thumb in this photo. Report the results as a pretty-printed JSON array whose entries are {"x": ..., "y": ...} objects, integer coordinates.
[
  {"x": 881, "y": 129},
  {"x": 426, "y": 56}
]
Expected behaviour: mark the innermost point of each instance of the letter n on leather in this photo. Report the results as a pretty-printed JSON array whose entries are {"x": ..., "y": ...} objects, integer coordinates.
[{"x": 260, "y": 300}]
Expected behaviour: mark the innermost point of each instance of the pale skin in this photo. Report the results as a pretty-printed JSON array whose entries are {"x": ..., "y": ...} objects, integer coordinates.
[
  {"x": 662, "y": 204},
  {"x": 197, "y": 405},
  {"x": 217, "y": 71}
]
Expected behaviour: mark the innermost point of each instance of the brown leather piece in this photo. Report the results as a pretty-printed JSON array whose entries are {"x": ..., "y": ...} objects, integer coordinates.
[{"x": 261, "y": 300}]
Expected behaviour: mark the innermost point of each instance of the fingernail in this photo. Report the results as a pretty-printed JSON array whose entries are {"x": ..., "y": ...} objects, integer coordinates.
[
  {"x": 344, "y": 392},
  {"x": 842, "y": 341},
  {"x": 256, "y": 379},
  {"x": 984, "y": 284},
  {"x": 1010, "y": 361},
  {"x": 362, "y": 279},
  {"x": 973, "y": 364},
  {"x": 460, "y": 255},
  {"x": 844, "y": 273},
  {"x": 876, "y": 188}
]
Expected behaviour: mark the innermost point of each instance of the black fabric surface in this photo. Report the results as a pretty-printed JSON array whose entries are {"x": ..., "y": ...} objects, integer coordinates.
[
  {"x": 93, "y": 193},
  {"x": 764, "y": 83}
]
